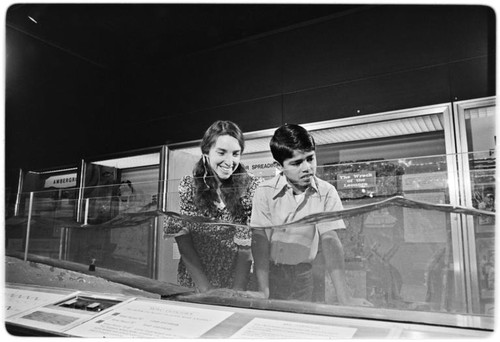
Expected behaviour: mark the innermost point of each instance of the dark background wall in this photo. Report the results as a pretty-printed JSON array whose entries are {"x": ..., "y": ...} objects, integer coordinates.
[{"x": 61, "y": 108}]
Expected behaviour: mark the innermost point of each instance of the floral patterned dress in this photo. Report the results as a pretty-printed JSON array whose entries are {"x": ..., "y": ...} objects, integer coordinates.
[{"x": 217, "y": 246}]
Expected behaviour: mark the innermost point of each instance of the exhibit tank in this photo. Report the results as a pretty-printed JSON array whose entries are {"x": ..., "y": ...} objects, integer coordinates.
[{"x": 409, "y": 252}]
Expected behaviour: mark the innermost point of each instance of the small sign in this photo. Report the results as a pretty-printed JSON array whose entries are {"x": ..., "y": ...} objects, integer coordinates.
[
  {"x": 261, "y": 167},
  {"x": 358, "y": 180},
  {"x": 61, "y": 181}
]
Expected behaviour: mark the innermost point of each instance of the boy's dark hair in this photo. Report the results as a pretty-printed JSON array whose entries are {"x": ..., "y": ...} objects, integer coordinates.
[{"x": 289, "y": 138}]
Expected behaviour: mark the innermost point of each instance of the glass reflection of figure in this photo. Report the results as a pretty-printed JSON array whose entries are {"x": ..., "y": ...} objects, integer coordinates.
[
  {"x": 439, "y": 281},
  {"x": 126, "y": 194},
  {"x": 283, "y": 257},
  {"x": 488, "y": 272},
  {"x": 131, "y": 198},
  {"x": 215, "y": 256},
  {"x": 487, "y": 203}
]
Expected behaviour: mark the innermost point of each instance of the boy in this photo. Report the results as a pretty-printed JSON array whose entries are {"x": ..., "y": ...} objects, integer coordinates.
[{"x": 283, "y": 257}]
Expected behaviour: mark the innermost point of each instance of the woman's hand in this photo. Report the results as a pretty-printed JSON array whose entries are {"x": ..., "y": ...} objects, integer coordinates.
[
  {"x": 204, "y": 288},
  {"x": 252, "y": 294},
  {"x": 225, "y": 293},
  {"x": 351, "y": 301},
  {"x": 242, "y": 268},
  {"x": 193, "y": 263}
]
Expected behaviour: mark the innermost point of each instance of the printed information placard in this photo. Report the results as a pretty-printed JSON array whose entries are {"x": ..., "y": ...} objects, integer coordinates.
[
  {"x": 150, "y": 319},
  {"x": 260, "y": 328},
  {"x": 57, "y": 318},
  {"x": 19, "y": 300}
]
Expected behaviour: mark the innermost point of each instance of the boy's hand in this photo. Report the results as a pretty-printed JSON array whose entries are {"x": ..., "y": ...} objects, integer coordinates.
[
  {"x": 357, "y": 302},
  {"x": 252, "y": 294},
  {"x": 227, "y": 293}
]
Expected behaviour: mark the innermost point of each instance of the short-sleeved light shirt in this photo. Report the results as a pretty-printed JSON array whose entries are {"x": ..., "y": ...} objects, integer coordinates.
[{"x": 275, "y": 204}]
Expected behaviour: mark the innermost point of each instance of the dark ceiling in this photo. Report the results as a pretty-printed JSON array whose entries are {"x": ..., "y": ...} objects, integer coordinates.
[
  {"x": 72, "y": 69},
  {"x": 119, "y": 35}
]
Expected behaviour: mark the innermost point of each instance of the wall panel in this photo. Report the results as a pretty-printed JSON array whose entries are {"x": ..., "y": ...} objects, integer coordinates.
[
  {"x": 373, "y": 59},
  {"x": 250, "y": 116},
  {"x": 395, "y": 91},
  {"x": 473, "y": 78},
  {"x": 370, "y": 43},
  {"x": 247, "y": 71}
]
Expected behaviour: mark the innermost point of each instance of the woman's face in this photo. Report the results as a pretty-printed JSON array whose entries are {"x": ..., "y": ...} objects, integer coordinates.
[{"x": 224, "y": 156}]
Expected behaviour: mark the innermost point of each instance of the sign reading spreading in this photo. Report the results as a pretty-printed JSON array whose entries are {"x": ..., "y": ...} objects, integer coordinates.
[
  {"x": 358, "y": 180},
  {"x": 261, "y": 167}
]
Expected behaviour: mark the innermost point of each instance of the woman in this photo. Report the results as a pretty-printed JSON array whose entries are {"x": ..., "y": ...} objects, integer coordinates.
[{"x": 215, "y": 256}]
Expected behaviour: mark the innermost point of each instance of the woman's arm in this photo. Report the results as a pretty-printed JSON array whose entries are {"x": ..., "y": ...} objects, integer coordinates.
[
  {"x": 242, "y": 268},
  {"x": 261, "y": 217},
  {"x": 192, "y": 261},
  {"x": 260, "y": 251},
  {"x": 184, "y": 239}
]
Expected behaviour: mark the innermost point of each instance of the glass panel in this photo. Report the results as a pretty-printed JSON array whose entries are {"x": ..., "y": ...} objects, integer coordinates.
[
  {"x": 180, "y": 163},
  {"x": 113, "y": 236},
  {"x": 15, "y": 228},
  {"x": 399, "y": 244},
  {"x": 110, "y": 232},
  {"x": 483, "y": 184},
  {"x": 399, "y": 253},
  {"x": 50, "y": 210},
  {"x": 481, "y": 142},
  {"x": 54, "y": 199}
]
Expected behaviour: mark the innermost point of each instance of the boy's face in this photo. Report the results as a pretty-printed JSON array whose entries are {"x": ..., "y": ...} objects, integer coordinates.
[{"x": 300, "y": 168}]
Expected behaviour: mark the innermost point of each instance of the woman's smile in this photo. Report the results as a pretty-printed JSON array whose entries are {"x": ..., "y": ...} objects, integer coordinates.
[
  {"x": 224, "y": 156},
  {"x": 227, "y": 169}
]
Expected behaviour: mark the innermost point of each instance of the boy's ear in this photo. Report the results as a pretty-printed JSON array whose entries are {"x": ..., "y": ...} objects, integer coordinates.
[{"x": 278, "y": 166}]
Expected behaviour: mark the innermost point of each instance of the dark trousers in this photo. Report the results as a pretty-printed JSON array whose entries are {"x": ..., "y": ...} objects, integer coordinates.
[{"x": 291, "y": 282}]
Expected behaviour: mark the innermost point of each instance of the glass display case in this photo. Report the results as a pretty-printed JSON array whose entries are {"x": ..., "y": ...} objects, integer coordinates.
[
  {"x": 44, "y": 198},
  {"x": 400, "y": 256},
  {"x": 73, "y": 223},
  {"x": 112, "y": 188},
  {"x": 418, "y": 191}
]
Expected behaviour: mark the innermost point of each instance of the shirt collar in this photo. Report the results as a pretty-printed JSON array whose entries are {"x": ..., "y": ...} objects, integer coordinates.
[{"x": 282, "y": 185}]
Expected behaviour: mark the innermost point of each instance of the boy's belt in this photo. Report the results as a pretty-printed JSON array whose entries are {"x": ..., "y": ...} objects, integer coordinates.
[{"x": 303, "y": 266}]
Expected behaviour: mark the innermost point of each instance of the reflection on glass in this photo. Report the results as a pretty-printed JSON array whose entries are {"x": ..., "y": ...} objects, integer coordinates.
[
  {"x": 112, "y": 240},
  {"x": 378, "y": 244},
  {"x": 47, "y": 210},
  {"x": 482, "y": 176},
  {"x": 396, "y": 258},
  {"x": 398, "y": 254},
  {"x": 55, "y": 232}
]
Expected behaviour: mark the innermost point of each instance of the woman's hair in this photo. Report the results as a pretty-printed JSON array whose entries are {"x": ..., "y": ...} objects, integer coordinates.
[
  {"x": 232, "y": 189},
  {"x": 289, "y": 138},
  {"x": 217, "y": 129}
]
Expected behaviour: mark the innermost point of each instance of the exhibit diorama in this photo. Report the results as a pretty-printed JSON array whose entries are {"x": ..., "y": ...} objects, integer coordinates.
[{"x": 106, "y": 106}]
